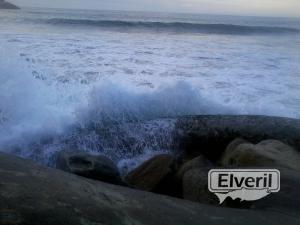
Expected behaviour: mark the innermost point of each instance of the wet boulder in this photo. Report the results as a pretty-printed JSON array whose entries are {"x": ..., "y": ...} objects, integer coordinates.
[
  {"x": 195, "y": 187},
  {"x": 264, "y": 154},
  {"x": 287, "y": 200},
  {"x": 193, "y": 178},
  {"x": 234, "y": 144},
  {"x": 196, "y": 163},
  {"x": 90, "y": 166},
  {"x": 154, "y": 175}
]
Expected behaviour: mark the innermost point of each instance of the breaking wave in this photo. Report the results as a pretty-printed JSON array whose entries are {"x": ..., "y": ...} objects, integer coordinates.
[
  {"x": 176, "y": 27},
  {"x": 119, "y": 120}
]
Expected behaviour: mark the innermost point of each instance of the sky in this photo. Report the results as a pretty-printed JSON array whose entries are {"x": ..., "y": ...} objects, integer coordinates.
[{"x": 288, "y": 8}]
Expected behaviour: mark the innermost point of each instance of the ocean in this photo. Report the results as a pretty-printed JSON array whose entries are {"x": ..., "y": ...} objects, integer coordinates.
[{"x": 99, "y": 81}]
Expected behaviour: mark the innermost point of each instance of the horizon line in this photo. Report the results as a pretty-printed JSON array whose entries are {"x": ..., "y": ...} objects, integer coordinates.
[{"x": 166, "y": 12}]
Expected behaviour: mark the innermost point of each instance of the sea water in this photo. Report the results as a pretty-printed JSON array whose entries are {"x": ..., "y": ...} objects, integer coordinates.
[{"x": 99, "y": 81}]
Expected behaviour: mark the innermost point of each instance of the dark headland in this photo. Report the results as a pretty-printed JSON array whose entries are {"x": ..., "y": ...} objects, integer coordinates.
[{"x": 6, "y": 5}]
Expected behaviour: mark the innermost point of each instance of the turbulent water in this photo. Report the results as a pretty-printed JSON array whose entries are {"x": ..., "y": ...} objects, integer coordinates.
[{"x": 99, "y": 81}]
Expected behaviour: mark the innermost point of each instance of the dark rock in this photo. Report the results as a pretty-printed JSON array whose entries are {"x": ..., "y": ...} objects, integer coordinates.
[
  {"x": 232, "y": 145},
  {"x": 196, "y": 163},
  {"x": 195, "y": 187},
  {"x": 151, "y": 174},
  {"x": 7, "y": 5},
  {"x": 269, "y": 153},
  {"x": 287, "y": 200},
  {"x": 210, "y": 135},
  {"x": 94, "y": 167},
  {"x": 33, "y": 195},
  {"x": 200, "y": 163}
]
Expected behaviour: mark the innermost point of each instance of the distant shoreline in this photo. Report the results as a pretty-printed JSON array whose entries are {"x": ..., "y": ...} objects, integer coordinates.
[{"x": 6, "y": 5}]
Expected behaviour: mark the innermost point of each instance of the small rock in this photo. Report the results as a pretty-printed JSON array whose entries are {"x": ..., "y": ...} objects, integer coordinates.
[
  {"x": 150, "y": 174},
  {"x": 94, "y": 167}
]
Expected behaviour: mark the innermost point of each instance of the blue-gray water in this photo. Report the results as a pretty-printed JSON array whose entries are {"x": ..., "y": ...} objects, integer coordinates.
[{"x": 62, "y": 71}]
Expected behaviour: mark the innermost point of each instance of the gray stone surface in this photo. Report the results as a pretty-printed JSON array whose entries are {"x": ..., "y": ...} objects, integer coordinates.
[
  {"x": 268, "y": 153},
  {"x": 287, "y": 200},
  {"x": 90, "y": 166},
  {"x": 196, "y": 163},
  {"x": 210, "y": 135},
  {"x": 33, "y": 195},
  {"x": 194, "y": 187},
  {"x": 151, "y": 173}
]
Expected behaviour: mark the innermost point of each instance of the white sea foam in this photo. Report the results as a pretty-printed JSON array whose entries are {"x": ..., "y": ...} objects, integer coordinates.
[{"x": 39, "y": 119}]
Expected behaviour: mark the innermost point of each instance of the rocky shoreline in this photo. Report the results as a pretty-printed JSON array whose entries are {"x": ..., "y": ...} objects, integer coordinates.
[
  {"x": 166, "y": 189},
  {"x": 35, "y": 195}
]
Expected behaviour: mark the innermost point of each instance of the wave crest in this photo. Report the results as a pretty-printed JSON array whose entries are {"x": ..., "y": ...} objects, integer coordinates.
[{"x": 176, "y": 27}]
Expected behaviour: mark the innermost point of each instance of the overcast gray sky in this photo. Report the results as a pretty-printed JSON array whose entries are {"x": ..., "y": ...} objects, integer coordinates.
[{"x": 235, "y": 7}]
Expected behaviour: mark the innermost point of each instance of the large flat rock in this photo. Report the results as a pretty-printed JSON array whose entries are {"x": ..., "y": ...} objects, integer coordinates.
[
  {"x": 209, "y": 135},
  {"x": 33, "y": 195}
]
